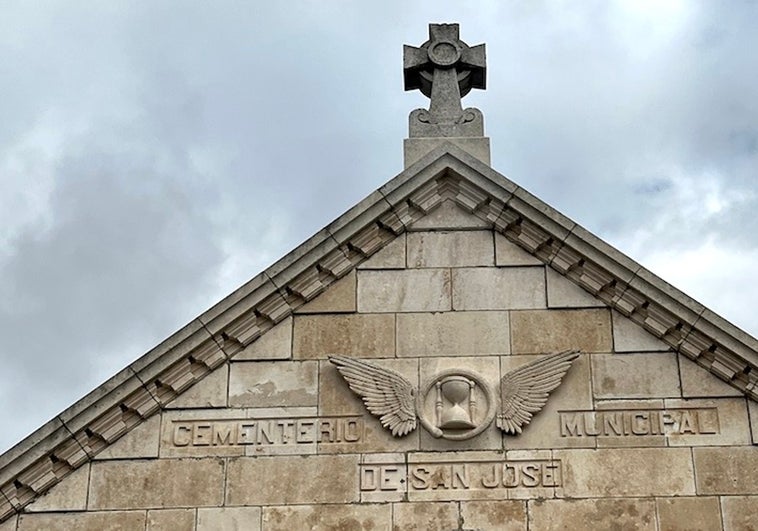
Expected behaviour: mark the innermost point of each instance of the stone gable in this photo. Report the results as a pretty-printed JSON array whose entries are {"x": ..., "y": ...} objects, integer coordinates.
[{"x": 637, "y": 435}]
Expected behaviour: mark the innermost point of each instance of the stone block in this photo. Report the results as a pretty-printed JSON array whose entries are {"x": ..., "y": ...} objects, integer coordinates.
[
  {"x": 623, "y": 472},
  {"x": 68, "y": 495},
  {"x": 338, "y": 298},
  {"x": 229, "y": 519},
  {"x": 654, "y": 375},
  {"x": 411, "y": 290},
  {"x": 171, "y": 520},
  {"x": 628, "y": 336},
  {"x": 510, "y": 254},
  {"x": 698, "y": 382},
  {"x": 452, "y": 334},
  {"x": 237, "y": 432},
  {"x": 717, "y": 422},
  {"x": 726, "y": 470},
  {"x": 328, "y": 518},
  {"x": 275, "y": 344},
  {"x": 620, "y": 514},
  {"x": 292, "y": 480},
  {"x": 503, "y": 515},
  {"x": 753, "y": 414},
  {"x": 211, "y": 391},
  {"x": 273, "y": 383},
  {"x": 364, "y": 336},
  {"x": 9, "y": 524},
  {"x": 688, "y": 514},
  {"x": 562, "y": 293},
  {"x": 156, "y": 484},
  {"x": 424, "y": 516},
  {"x": 391, "y": 256},
  {"x": 336, "y": 399},
  {"x": 535, "y": 332},
  {"x": 507, "y": 288},
  {"x": 740, "y": 513},
  {"x": 451, "y": 249},
  {"x": 383, "y": 477},
  {"x": 488, "y": 370},
  {"x": 574, "y": 393},
  {"x": 606, "y": 418},
  {"x": 141, "y": 442},
  {"x": 414, "y": 149},
  {"x": 93, "y": 521},
  {"x": 449, "y": 216}
]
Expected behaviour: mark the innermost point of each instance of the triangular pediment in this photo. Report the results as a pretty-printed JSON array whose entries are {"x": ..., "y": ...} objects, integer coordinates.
[{"x": 446, "y": 213}]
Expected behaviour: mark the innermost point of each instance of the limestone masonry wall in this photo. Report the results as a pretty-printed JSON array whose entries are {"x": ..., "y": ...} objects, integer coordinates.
[{"x": 635, "y": 437}]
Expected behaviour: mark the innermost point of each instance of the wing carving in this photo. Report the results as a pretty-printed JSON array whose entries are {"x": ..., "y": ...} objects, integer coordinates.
[
  {"x": 386, "y": 394},
  {"x": 524, "y": 391}
]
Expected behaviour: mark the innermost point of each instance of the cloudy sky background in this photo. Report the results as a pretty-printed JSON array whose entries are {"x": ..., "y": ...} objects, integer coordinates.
[{"x": 156, "y": 155}]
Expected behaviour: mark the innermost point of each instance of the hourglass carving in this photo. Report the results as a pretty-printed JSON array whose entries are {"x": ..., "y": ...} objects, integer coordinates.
[{"x": 455, "y": 406}]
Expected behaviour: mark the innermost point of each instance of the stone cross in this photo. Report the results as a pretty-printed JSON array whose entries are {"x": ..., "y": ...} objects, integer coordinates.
[{"x": 445, "y": 69}]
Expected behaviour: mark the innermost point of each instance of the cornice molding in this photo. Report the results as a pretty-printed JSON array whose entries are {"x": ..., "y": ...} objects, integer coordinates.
[{"x": 146, "y": 386}]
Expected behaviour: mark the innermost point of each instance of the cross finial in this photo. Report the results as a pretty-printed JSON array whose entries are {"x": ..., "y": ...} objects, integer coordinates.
[{"x": 445, "y": 69}]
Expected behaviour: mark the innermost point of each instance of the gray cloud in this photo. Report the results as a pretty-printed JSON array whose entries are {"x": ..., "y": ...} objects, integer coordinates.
[{"x": 155, "y": 156}]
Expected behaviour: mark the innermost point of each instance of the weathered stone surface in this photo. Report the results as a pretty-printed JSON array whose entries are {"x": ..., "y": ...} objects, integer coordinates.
[
  {"x": 542, "y": 331},
  {"x": 171, "y": 520},
  {"x": 452, "y": 334},
  {"x": 628, "y": 336},
  {"x": 383, "y": 477},
  {"x": 426, "y": 516},
  {"x": 620, "y": 514},
  {"x": 276, "y": 344},
  {"x": 449, "y": 216},
  {"x": 574, "y": 393},
  {"x": 259, "y": 480},
  {"x": 502, "y": 515},
  {"x": 365, "y": 336},
  {"x": 273, "y": 383},
  {"x": 688, "y": 514},
  {"x": 698, "y": 382},
  {"x": 328, "y": 517},
  {"x": 562, "y": 293},
  {"x": 229, "y": 518},
  {"x": 10, "y": 524},
  {"x": 740, "y": 513},
  {"x": 338, "y": 298},
  {"x": 411, "y": 290},
  {"x": 211, "y": 391},
  {"x": 391, "y": 256},
  {"x": 627, "y": 472},
  {"x": 69, "y": 495},
  {"x": 156, "y": 483},
  {"x": 726, "y": 470},
  {"x": 636, "y": 375},
  {"x": 142, "y": 441},
  {"x": 507, "y": 288},
  {"x": 336, "y": 398},
  {"x": 753, "y": 413},
  {"x": 730, "y": 421},
  {"x": 510, "y": 254},
  {"x": 451, "y": 249},
  {"x": 93, "y": 521}
]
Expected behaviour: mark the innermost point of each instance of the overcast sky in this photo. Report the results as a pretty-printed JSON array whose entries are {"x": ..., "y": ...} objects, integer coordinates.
[{"x": 156, "y": 155}]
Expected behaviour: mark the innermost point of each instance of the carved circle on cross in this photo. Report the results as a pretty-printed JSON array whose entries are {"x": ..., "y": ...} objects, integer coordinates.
[{"x": 444, "y": 53}]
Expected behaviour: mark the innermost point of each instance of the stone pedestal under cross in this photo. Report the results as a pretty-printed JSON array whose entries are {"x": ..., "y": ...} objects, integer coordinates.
[{"x": 445, "y": 69}]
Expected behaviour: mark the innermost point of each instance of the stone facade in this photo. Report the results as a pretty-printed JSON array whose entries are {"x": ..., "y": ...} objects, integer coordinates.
[{"x": 637, "y": 436}]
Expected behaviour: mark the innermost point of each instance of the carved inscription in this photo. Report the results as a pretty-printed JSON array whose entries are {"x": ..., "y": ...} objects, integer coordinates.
[
  {"x": 460, "y": 476},
  {"x": 266, "y": 431},
  {"x": 639, "y": 422}
]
